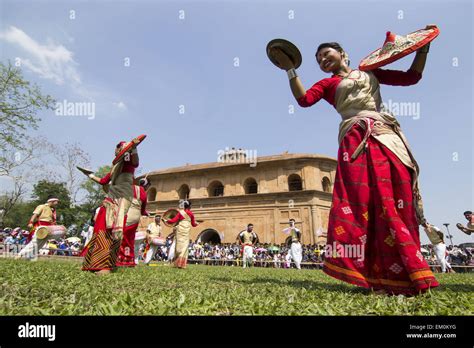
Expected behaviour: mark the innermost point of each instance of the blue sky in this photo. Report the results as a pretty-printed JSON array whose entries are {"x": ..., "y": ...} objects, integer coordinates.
[{"x": 191, "y": 62}]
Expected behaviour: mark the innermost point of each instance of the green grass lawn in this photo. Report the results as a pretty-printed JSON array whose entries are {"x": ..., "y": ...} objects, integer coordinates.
[{"x": 61, "y": 288}]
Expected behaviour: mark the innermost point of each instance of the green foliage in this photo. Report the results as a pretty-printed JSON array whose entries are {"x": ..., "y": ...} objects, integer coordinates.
[
  {"x": 61, "y": 288},
  {"x": 43, "y": 189},
  {"x": 19, "y": 215},
  {"x": 19, "y": 103}
]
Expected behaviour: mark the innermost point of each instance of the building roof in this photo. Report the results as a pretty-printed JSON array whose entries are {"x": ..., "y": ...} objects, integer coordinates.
[{"x": 262, "y": 159}]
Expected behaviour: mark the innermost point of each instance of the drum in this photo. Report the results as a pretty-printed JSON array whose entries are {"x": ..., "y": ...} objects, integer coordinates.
[
  {"x": 50, "y": 232},
  {"x": 169, "y": 214},
  {"x": 158, "y": 241},
  {"x": 140, "y": 236}
]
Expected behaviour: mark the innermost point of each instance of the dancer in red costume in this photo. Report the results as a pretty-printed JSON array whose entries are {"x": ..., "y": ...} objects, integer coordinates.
[
  {"x": 126, "y": 256},
  {"x": 109, "y": 224},
  {"x": 376, "y": 205}
]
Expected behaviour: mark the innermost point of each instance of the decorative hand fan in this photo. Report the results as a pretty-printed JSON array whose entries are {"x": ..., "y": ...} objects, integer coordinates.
[
  {"x": 129, "y": 146},
  {"x": 397, "y": 46}
]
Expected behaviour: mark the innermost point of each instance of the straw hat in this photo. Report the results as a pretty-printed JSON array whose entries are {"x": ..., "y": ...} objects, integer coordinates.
[{"x": 289, "y": 48}]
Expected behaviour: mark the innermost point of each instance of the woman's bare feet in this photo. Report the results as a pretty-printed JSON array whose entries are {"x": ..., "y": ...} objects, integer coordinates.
[{"x": 104, "y": 271}]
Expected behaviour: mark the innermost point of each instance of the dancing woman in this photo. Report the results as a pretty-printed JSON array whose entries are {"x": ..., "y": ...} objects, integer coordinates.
[
  {"x": 376, "y": 204},
  {"x": 126, "y": 255},
  {"x": 185, "y": 219},
  {"x": 104, "y": 246}
]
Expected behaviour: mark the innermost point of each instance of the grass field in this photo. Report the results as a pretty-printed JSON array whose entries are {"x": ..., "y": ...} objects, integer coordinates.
[{"x": 61, "y": 288}]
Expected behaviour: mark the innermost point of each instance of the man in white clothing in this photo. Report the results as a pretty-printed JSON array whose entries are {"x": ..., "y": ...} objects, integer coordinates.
[
  {"x": 436, "y": 238},
  {"x": 153, "y": 231},
  {"x": 295, "y": 249}
]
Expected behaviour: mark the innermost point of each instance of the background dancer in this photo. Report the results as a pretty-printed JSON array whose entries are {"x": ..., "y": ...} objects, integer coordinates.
[
  {"x": 469, "y": 228},
  {"x": 43, "y": 215},
  {"x": 295, "y": 251},
  {"x": 153, "y": 231},
  {"x": 247, "y": 239},
  {"x": 185, "y": 219},
  {"x": 436, "y": 238}
]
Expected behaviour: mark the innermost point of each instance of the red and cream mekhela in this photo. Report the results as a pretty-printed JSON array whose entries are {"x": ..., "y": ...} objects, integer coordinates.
[
  {"x": 126, "y": 256},
  {"x": 185, "y": 219},
  {"x": 110, "y": 220},
  {"x": 376, "y": 204}
]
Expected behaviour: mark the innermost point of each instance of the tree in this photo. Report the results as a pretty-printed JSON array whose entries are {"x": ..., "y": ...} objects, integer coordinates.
[
  {"x": 43, "y": 189},
  {"x": 68, "y": 157},
  {"x": 20, "y": 102},
  {"x": 19, "y": 214},
  {"x": 21, "y": 168}
]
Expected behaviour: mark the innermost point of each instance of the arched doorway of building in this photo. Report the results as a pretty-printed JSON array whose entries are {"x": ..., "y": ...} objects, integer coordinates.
[{"x": 210, "y": 236}]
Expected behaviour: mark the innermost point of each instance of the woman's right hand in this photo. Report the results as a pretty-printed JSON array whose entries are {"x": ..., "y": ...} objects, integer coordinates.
[{"x": 282, "y": 58}]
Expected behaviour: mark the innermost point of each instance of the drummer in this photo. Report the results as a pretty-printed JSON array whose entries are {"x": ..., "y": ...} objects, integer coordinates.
[
  {"x": 153, "y": 231},
  {"x": 43, "y": 215}
]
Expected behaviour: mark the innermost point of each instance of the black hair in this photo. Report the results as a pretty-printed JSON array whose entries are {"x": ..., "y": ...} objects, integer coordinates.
[
  {"x": 333, "y": 45},
  {"x": 292, "y": 220},
  {"x": 143, "y": 182},
  {"x": 249, "y": 225},
  {"x": 187, "y": 205},
  {"x": 157, "y": 216},
  {"x": 467, "y": 212}
]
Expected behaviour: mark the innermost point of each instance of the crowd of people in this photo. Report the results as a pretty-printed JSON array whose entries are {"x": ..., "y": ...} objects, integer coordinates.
[
  {"x": 227, "y": 254},
  {"x": 230, "y": 254},
  {"x": 265, "y": 255},
  {"x": 456, "y": 255},
  {"x": 15, "y": 239}
]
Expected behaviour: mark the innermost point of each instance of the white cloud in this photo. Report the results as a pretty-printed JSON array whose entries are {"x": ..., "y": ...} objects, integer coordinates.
[{"x": 50, "y": 61}]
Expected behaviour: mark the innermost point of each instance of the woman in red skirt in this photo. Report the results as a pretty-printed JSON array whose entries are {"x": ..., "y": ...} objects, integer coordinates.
[
  {"x": 102, "y": 251},
  {"x": 376, "y": 205}
]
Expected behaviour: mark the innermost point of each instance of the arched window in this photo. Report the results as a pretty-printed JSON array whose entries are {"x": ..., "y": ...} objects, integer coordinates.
[
  {"x": 326, "y": 184},
  {"x": 151, "y": 194},
  {"x": 250, "y": 186},
  {"x": 295, "y": 183},
  {"x": 215, "y": 189},
  {"x": 183, "y": 192}
]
